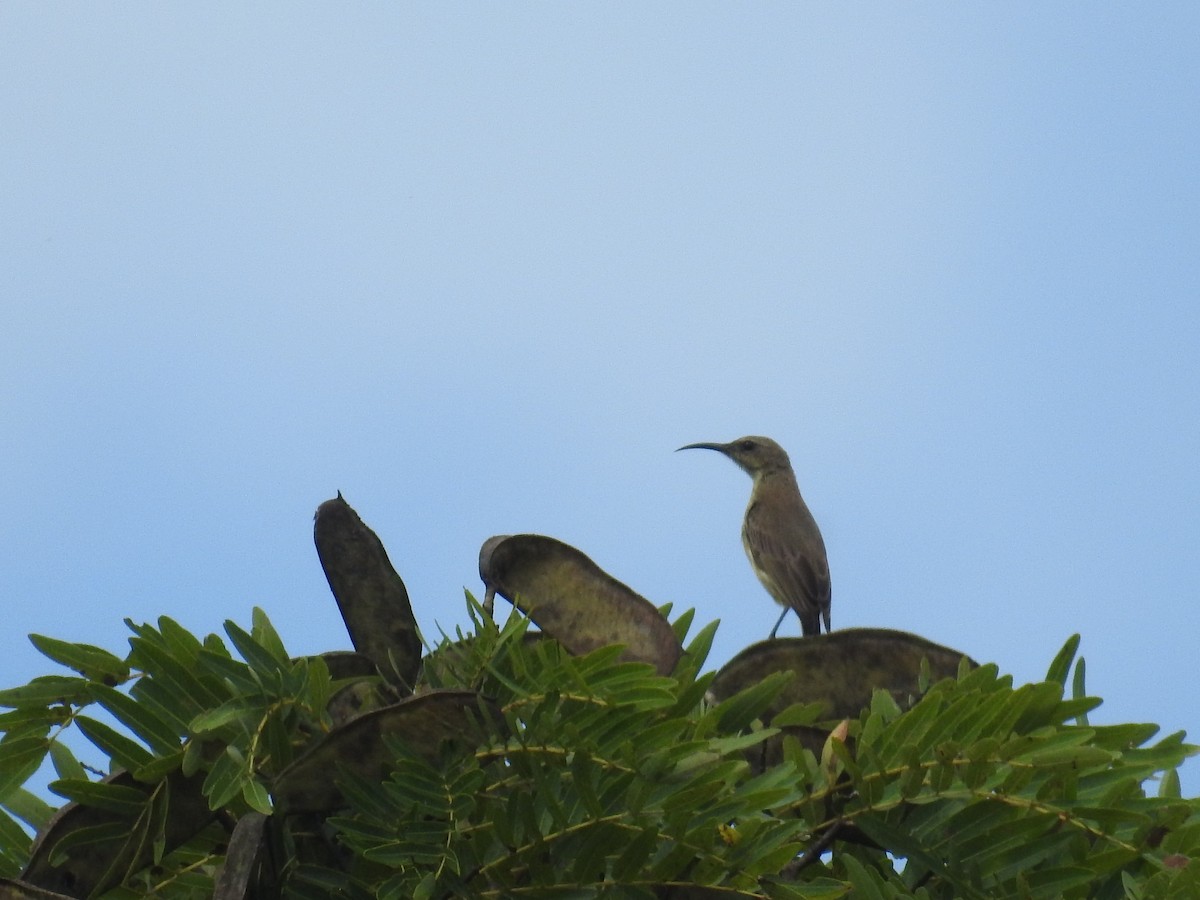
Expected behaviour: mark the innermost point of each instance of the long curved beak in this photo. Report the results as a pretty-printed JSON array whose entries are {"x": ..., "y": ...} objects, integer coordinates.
[{"x": 720, "y": 448}]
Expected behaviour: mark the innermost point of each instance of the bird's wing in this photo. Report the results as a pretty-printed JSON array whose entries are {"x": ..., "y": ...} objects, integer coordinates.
[{"x": 794, "y": 561}]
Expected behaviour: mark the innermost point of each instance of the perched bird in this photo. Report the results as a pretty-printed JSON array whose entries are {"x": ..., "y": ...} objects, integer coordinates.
[{"x": 780, "y": 535}]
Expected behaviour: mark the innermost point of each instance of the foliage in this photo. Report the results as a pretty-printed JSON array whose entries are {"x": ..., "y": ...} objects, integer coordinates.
[{"x": 603, "y": 779}]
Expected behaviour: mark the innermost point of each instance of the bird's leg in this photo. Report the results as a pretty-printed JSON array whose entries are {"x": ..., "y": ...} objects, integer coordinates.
[{"x": 786, "y": 610}]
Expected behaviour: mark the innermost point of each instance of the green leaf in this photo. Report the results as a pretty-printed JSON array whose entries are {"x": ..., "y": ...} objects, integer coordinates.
[
  {"x": 171, "y": 709},
  {"x": 1078, "y": 689},
  {"x": 1060, "y": 668},
  {"x": 318, "y": 683},
  {"x": 226, "y": 778},
  {"x": 1070, "y": 745},
  {"x": 193, "y": 756},
  {"x": 235, "y": 710},
  {"x": 34, "y": 720},
  {"x": 138, "y": 718},
  {"x": 696, "y": 652},
  {"x": 1012, "y": 846},
  {"x": 116, "y": 798},
  {"x": 1168, "y": 787},
  {"x": 682, "y": 623},
  {"x": 798, "y": 714},
  {"x": 181, "y": 677},
  {"x": 19, "y": 758},
  {"x": 91, "y": 662},
  {"x": 912, "y": 774},
  {"x": 1111, "y": 820},
  {"x": 1165, "y": 754},
  {"x": 182, "y": 644},
  {"x": 276, "y": 744},
  {"x": 817, "y": 889},
  {"x": 259, "y": 658},
  {"x": 256, "y": 796},
  {"x": 1059, "y": 881},
  {"x": 46, "y": 691},
  {"x": 865, "y": 882},
  {"x": 671, "y": 862},
  {"x": 635, "y": 854},
  {"x": 1123, "y": 737},
  {"x": 29, "y": 808},
  {"x": 235, "y": 675},
  {"x": 159, "y": 767},
  {"x": 65, "y": 763},
  {"x": 737, "y": 712},
  {"x": 584, "y": 776},
  {"x": 146, "y": 837},
  {"x": 909, "y": 843},
  {"x": 124, "y": 751},
  {"x": 589, "y": 848},
  {"x": 105, "y": 833},
  {"x": 13, "y": 840},
  {"x": 265, "y": 635}
]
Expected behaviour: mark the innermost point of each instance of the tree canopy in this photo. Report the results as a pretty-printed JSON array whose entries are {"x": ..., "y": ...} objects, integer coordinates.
[{"x": 513, "y": 763}]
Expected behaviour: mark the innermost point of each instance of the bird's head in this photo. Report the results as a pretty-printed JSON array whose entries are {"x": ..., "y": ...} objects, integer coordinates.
[{"x": 757, "y": 456}]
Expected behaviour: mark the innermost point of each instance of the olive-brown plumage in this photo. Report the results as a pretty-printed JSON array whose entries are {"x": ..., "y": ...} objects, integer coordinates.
[{"x": 780, "y": 535}]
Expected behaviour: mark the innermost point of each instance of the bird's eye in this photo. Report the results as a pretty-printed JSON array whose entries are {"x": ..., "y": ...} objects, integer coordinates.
[{"x": 747, "y": 445}]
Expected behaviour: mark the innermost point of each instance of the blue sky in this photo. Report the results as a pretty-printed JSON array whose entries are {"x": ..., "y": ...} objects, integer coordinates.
[{"x": 483, "y": 267}]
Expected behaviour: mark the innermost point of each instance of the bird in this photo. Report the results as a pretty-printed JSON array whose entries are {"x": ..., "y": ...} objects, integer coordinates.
[{"x": 779, "y": 533}]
